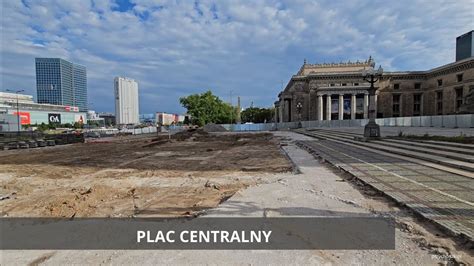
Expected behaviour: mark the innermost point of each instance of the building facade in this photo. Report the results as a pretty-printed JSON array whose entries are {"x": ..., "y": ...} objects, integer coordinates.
[
  {"x": 32, "y": 113},
  {"x": 61, "y": 82},
  {"x": 109, "y": 119},
  {"x": 337, "y": 91},
  {"x": 126, "y": 101},
  {"x": 148, "y": 119}
]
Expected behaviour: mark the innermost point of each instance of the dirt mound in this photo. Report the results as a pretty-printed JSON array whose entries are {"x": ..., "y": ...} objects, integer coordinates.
[
  {"x": 214, "y": 128},
  {"x": 183, "y": 135}
]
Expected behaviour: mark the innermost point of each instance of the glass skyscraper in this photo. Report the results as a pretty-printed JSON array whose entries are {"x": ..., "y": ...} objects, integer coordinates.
[{"x": 61, "y": 82}]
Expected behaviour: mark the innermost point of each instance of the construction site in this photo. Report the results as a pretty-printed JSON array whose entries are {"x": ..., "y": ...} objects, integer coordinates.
[
  {"x": 425, "y": 186},
  {"x": 135, "y": 176}
]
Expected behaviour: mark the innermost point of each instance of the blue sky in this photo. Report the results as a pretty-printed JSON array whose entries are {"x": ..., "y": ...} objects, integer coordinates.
[{"x": 175, "y": 48}]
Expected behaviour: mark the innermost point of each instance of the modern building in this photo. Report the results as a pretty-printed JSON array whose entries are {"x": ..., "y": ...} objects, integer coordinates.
[
  {"x": 465, "y": 46},
  {"x": 109, "y": 118},
  {"x": 93, "y": 118},
  {"x": 337, "y": 91},
  {"x": 148, "y": 119},
  {"x": 61, "y": 82},
  {"x": 32, "y": 113},
  {"x": 126, "y": 101}
]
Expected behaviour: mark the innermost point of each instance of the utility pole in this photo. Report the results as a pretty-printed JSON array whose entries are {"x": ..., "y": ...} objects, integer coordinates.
[{"x": 232, "y": 109}]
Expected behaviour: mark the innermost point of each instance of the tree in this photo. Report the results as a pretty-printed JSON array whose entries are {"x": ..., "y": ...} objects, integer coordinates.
[
  {"x": 207, "y": 108},
  {"x": 78, "y": 125},
  {"x": 257, "y": 115}
]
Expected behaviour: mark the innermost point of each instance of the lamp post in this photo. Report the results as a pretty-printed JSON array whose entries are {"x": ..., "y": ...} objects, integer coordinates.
[
  {"x": 17, "y": 109},
  {"x": 299, "y": 107},
  {"x": 372, "y": 130}
]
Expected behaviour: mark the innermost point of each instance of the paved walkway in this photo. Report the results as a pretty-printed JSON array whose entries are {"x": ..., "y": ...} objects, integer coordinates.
[{"x": 442, "y": 197}]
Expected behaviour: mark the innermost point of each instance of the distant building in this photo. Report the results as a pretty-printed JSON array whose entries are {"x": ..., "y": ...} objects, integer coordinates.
[
  {"x": 126, "y": 101},
  {"x": 61, "y": 82},
  {"x": 32, "y": 113},
  {"x": 93, "y": 118},
  {"x": 109, "y": 118},
  {"x": 465, "y": 46},
  {"x": 148, "y": 119}
]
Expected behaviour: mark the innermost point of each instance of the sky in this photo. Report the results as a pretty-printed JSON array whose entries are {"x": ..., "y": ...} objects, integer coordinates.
[{"x": 234, "y": 48}]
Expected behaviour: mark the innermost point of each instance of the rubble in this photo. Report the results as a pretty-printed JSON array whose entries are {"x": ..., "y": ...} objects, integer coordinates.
[{"x": 214, "y": 128}]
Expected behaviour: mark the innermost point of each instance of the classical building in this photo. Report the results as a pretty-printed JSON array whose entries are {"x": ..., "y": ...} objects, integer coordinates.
[{"x": 337, "y": 91}]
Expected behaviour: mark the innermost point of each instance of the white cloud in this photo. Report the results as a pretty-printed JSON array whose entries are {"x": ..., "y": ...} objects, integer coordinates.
[{"x": 179, "y": 47}]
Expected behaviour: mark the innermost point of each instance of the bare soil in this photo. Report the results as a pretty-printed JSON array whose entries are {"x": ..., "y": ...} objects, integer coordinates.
[{"x": 136, "y": 176}]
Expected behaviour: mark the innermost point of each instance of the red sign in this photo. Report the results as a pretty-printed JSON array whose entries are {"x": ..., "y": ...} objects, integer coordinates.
[
  {"x": 25, "y": 118},
  {"x": 71, "y": 108}
]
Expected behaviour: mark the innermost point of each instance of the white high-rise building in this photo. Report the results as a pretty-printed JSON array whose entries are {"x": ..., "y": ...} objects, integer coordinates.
[{"x": 126, "y": 101}]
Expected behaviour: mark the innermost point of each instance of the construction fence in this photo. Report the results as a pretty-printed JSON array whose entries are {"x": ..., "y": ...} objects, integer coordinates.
[{"x": 440, "y": 121}]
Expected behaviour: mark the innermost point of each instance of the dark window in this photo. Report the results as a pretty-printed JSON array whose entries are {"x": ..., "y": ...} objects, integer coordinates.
[
  {"x": 332, "y": 85},
  {"x": 356, "y": 84},
  {"x": 439, "y": 102},
  {"x": 396, "y": 105},
  {"x": 416, "y": 104},
  {"x": 459, "y": 97},
  {"x": 344, "y": 84},
  {"x": 417, "y": 86},
  {"x": 459, "y": 77},
  {"x": 396, "y": 86},
  {"x": 440, "y": 82}
]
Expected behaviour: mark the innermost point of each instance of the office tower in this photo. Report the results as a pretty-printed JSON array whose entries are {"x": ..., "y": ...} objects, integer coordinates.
[
  {"x": 126, "y": 101},
  {"x": 61, "y": 82}
]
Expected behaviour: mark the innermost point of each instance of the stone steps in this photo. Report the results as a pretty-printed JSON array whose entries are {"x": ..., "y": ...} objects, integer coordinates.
[
  {"x": 466, "y": 151},
  {"x": 455, "y": 164},
  {"x": 438, "y": 152}
]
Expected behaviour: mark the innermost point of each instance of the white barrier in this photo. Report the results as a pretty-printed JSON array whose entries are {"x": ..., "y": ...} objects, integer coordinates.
[
  {"x": 138, "y": 131},
  {"x": 447, "y": 121}
]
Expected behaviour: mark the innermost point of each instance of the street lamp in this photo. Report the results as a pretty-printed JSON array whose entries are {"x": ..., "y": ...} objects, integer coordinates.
[
  {"x": 372, "y": 130},
  {"x": 17, "y": 108},
  {"x": 299, "y": 107}
]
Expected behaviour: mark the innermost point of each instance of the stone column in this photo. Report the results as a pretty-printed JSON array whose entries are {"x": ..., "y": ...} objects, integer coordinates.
[
  {"x": 366, "y": 106},
  {"x": 353, "y": 106},
  {"x": 341, "y": 106},
  {"x": 320, "y": 107},
  {"x": 328, "y": 107}
]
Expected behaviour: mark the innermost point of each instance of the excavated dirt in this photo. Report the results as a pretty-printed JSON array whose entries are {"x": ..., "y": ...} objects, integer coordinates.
[{"x": 130, "y": 176}]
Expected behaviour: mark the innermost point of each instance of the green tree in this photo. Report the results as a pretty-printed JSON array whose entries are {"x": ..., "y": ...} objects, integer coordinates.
[
  {"x": 78, "y": 125},
  {"x": 207, "y": 108},
  {"x": 257, "y": 115},
  {"x": 43, "y": 127}
]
